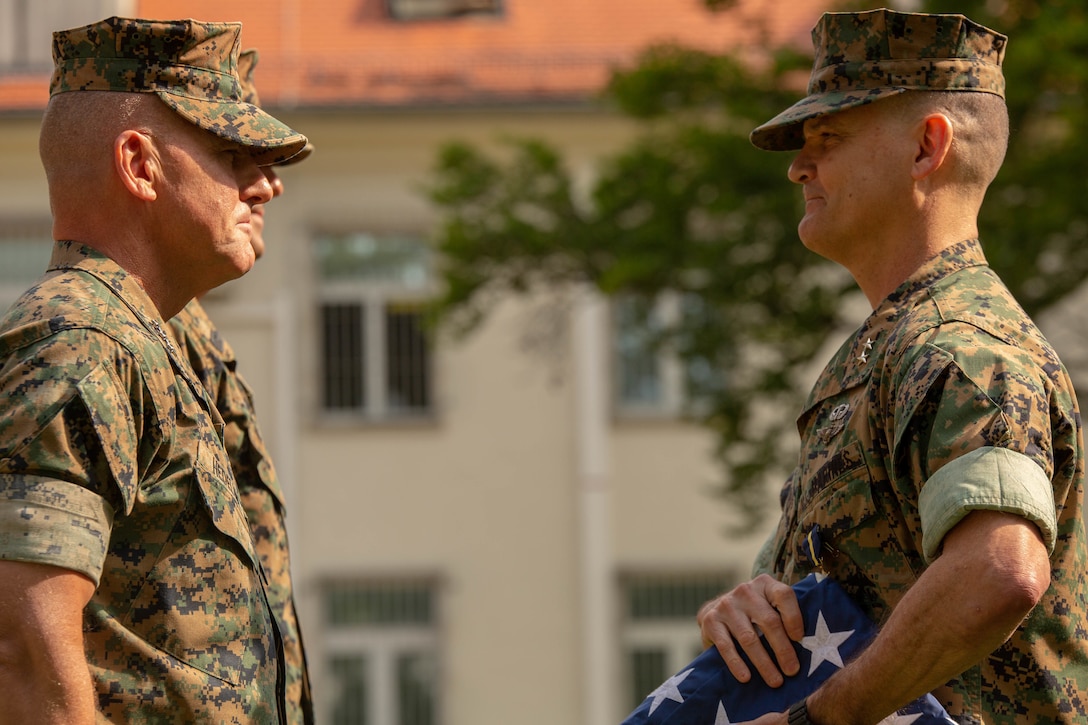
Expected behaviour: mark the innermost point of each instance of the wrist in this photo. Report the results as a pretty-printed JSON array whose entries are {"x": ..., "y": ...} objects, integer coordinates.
[{"x": 798, "y": 714}]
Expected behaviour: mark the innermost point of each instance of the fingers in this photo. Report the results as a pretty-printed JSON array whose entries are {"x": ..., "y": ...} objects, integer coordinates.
[{"x": 733, "y": 622}]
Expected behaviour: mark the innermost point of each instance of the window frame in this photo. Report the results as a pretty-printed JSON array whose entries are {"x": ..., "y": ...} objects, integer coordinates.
[
  {"x": 446, "y": 10},
  {"x": 375, "y": 296},
  {"x": 676, "y": 636},
  {"x": 381, "y": 644},
  {"x": 673, "y": 399}
]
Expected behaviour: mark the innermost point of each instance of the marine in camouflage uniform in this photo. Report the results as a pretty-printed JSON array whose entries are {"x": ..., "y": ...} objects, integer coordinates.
[
  {"x": 112, "y": 461},
  {"x": 214, "y": 362},
  {"x": 947, "y": 400}
]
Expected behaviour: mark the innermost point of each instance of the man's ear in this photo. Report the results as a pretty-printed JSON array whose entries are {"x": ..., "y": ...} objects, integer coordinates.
[
  {"x": 934, "y": 145},
  {"x": 137, "y": 163}
]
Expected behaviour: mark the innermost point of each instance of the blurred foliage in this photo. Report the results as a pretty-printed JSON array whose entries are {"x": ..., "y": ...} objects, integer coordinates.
[
  {"x": 1034, "y": 224},
  {"x": 690, "y": 207}
]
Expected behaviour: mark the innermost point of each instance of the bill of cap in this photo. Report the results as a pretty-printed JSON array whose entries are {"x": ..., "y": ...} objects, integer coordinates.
[
  {"x": 300, "y": 156},
  {"x": 785, "y": 132},
  {"x": 270, "y": 140}
]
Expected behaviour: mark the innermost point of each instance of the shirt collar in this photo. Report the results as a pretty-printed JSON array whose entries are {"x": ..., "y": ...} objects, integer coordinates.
[
  {"x": 69, "y": 255},
  {"x": 854, "y": 361}
]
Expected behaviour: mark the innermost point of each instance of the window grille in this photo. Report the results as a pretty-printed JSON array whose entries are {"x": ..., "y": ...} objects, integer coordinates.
[
  {"x": 441, "y": 9},
  {"x": 660, "y": 634},
  {"x": 382, "y": 652},
  {"x": 375, "y": 350}
]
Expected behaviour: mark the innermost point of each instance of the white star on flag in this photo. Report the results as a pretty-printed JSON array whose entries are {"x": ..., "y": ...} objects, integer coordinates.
[
  {"x": 897, "y": 719},
  {"x": 824, "y": 645},
  {"x": 723, "y": 717},
  {"x": 669, "y": 690}
]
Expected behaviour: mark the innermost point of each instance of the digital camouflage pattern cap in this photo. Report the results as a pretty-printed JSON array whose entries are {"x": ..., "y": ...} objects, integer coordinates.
[
  {"x": 247, "y": 61},
  {"x": 192, "y": 66},
  {"x": 863, "y": 57}
]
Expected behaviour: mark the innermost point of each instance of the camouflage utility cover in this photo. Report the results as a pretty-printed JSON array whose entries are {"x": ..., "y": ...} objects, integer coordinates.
[
  {"x": 247, "y": 62},
  {"x": 112, "y": 464},
  {"x": 214, "y": 362},
  {"x": 863, "y": 57},
  {"x": 192, "y": 66},
  {"x": 948, "y": 373}
]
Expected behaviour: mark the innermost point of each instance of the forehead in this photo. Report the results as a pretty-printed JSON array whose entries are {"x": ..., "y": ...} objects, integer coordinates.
[
  {"x": 855, "y": 118},
  {"x": 838, "y": 119},
  {"x": 179, "y": 131}
]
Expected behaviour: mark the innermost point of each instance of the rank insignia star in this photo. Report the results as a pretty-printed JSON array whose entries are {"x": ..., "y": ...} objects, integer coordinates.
[{"x": 864, "y": 356}]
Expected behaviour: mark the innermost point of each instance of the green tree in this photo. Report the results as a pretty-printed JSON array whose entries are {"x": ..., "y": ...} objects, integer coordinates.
[
  {"x": 1034, "y": 224},
  {"x": 692, "y": 209}
]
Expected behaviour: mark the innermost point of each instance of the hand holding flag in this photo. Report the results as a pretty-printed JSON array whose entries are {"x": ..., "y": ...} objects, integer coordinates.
[{"x": 706, "y": 693}]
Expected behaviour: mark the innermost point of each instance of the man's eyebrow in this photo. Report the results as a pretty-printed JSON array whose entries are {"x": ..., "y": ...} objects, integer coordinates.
[{"x": 815, "y": 124}]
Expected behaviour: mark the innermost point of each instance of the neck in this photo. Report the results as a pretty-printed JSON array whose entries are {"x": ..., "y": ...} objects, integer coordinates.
[{"x": 897, "y": 253}]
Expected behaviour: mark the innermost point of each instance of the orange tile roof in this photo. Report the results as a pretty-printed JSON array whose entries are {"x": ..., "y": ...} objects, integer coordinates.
[{"x": 345, "y": 52}]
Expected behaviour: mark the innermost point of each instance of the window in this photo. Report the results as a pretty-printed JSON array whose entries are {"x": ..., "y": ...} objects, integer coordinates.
[
  {"x": 650, "y": 379},
  {"x": 25, "y": 247},
  {"x": 26, "y": 28},
  {"x": 440, "y": 9},
  {"x": 659, "y": 631},
  {"x": 374, "y": 347},
  {"x": 381, "y": 652}
]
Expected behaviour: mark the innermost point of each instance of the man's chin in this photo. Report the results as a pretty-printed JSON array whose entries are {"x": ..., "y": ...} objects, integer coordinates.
[{"x": 257, "y": 245}]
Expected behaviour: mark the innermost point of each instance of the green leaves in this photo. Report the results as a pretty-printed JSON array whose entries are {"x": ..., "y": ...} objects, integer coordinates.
[
  {"x": 690, "y": 208},
  {"x": 1034, "y": 224}
]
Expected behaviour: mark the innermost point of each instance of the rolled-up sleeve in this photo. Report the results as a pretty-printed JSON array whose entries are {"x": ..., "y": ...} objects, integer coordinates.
[
  {"x": 53, "y": 522},
  {"x": 991, "y": 479}
]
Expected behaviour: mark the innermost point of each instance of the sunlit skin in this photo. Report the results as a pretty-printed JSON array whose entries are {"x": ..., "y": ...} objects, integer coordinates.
[
  {"x": 257, "y": 220},
  {"x": 856, "y": 179},
  {"x": 216, "y": 185}
]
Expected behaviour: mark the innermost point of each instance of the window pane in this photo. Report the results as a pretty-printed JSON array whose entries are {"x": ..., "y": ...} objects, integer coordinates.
[
  {"x": 416, "y": 685},
  {"x": 432, "y": 9},
  {"x": 344, "y": 361},
  {"x": 377, "y": 603},
  {"x": 349, "y": 686},
  {"x": 407, "y": 360},
  {"x": 654, "y": 597},
  {"x": 400, "y": 261},
  {"x": 649, "y": 668},
  {"x": 638, "y": 374},
  {"x": 703, "y": 375}
]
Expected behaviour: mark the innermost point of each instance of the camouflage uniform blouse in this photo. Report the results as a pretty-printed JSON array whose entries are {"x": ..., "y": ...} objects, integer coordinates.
[
  {"x": 213, "y": 360},
  {"x": 112, "y": 465},
  {"x": 948, "y": 399}
]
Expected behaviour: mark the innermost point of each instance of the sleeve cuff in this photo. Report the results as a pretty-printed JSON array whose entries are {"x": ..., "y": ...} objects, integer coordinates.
[
  {"x": 989, "y": 479},
  {"x": 46, "y": 521}
]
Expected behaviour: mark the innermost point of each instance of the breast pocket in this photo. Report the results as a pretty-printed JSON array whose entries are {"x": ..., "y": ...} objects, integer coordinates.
[
  {"x": 860, "y": 550},
  {"x": 203, "y": 600}
]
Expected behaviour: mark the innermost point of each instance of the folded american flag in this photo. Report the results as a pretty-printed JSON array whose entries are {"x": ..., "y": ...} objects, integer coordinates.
[{"x": 705, "y": 693}]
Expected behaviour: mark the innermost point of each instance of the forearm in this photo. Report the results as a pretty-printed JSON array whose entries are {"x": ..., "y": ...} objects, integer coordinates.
[
  {"x": 43, "y": 667},
  {"x": 961, "y": 609},
  {"x": 50, "y": 695}
]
